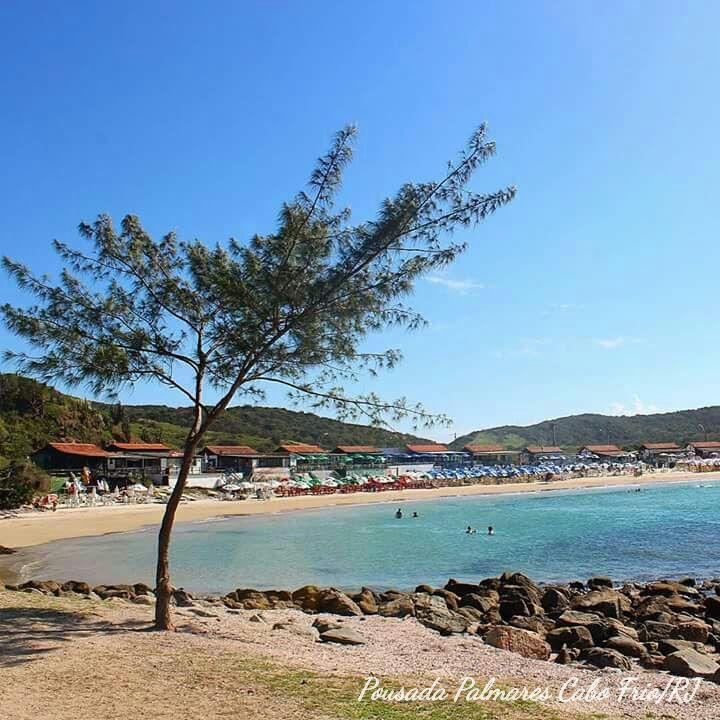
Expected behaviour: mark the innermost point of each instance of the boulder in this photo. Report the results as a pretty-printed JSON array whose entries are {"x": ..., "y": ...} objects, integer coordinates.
[
  {"x": 599, "y": 581},
  {"x": 671, "y": 645},
  {"x": 425, "y": 589},
  {"x": 323, "y": 624},
  {"x": 432, "y": 612},
  {"x": 626, "y": 646},
  {"x": 248, "y": 599},
  {"x": 694, "y": 631},
  {"x": 712, "y": 607},
  {"x": 516, "y": 604},
  {"x": 279, "y": 598},
  {"x": 669, "y": 587},
  {"x": 460, "y": 588},
  {"x": 597, "y": 626},
  {"x": 343, "y": 636},
  {"x": 652, "y": 631},
  {"x": 522, "y": 642},
  {"x": 534, "y": 624},
  {"x": 77, "y": 586},
  {"x": 572, "y": 637},
  {"x": 400, "y": 607},
  {"x": 49, "y": 587},
  {"x": 554, "y": 599},
  {"x": 471, "y": 614},
  {"x": 567, "y": 655},
  {"x": 483, "y": 603},
  {"x": 144, "y": 600},
  {"x": 690, "y": 663},
  {"x": 257, "y": 618},
  {"x": 451, "y": 599},
  {"x": 306, "y": 598},
  {"x": 604, "y": 658},
  {"x": 297, "y": 628},
  {"x": 183, "y": 598},
  {"x": 6, "y": 550},
  {"x": 337, "y": 603},
  {"x": 366, "y": 601},
  {"x": 142, "y": 589},
  {"x": 615, "y": 627},
  {"x": 605, "y": 602}
]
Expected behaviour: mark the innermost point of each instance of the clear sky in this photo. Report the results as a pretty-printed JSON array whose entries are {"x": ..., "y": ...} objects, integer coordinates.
[{"x": 595, "y": 290}]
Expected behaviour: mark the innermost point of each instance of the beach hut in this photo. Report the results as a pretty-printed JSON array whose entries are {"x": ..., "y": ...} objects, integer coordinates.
[
  {"x": 656, "y": 453},
  {"x": 63, "y": 456},
  {"x": 232, "y": 458},
  {"x": 491, "y": 454},
  {"x": 706, "y": 449},
  {"x": 533, "y": 454}
]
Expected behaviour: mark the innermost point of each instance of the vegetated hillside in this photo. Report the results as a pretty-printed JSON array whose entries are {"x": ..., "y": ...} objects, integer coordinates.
[
  {"x": 262, "y": 427},
  {"x": 32, "y": 414},
  {"x": 588, "y": 429}
]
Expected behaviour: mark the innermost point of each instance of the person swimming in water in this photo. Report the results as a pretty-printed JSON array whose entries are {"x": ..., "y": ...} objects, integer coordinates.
[
  {"x": 470, "y": 531},
  {"x": 415, "y": 515},
  {"x": 491, "y": 530},
  {"x": 398, "y": 514}
]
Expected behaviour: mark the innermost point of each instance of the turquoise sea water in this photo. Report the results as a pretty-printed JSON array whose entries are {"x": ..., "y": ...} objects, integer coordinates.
[{"x": 662, "y": 531}]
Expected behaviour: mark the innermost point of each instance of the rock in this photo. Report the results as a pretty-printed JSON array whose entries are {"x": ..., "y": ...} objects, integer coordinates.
[
  {"x": 432, "y": 612},
  {"x": 183, "y": 598},
  {"x": 712, "y": 607},
  {"x": 366, "y": 601},
  {"x": 112, "y": 594},
  {"x": 483, "y": 603},
  {"x": 602, "y": 658},
  {"x": 516, "y": 604},
  {"x": 322, "y": 624},
  {"x": 48, "y": 587},
  {"x": 688, "y": 581},
  {"x": 471, "y": 614},
  {"x": 279, "y": 598},
  {"x": 671, "y": 645},
  {"x": 143, "y": 600},
  {"x": 337, "y": 603},
  {"x": 249, "y": 599},
  {"x": 533, "y": 624},
  {"x": 615, "y": 627},
  {"x": 695, "y": 631},
  {"x": 459, "y": 588},
  {"x": 605, "y": 602},
  {"x": 142, "y": 589},
  {"x": 451, "y": 599},
  {"x": 425, "y": 589},
  {"x": 400, "y": 607},
  {"x": 652, "y": 662},
  {"x": 600, "y": 581},
  {"x": 668, "y": 587},
  {"x": 566, "y": 656},
  {"x": 655, "y": 631},
  {"x": 255, "y": 618},
  {"x": 307, "y": 597},
  {"x": 297, "y": 628},
  {"x": 6, "y": 550},
  {"x": 598, "y": 627},
  {"x": 573, "y": 637},
  {"x": 522, "y": 642},
  {"x": 626, "y": 646},
  {"x": 554, "y": 599},
  {"x": 343, "y": 636},
  {"x": 690, "y": 663},
  {"x": 76, "y": 586},
  {"x": 199, "y": 611}
]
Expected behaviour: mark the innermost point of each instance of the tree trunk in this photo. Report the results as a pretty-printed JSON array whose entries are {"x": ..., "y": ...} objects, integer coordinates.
[{"x": 163, "y": 588}]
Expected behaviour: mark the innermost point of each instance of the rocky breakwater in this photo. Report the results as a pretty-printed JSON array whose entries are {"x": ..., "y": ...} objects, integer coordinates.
[{"x": 665, "y": 625}]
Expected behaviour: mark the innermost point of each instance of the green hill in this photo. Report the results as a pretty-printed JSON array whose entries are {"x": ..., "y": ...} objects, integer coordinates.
[
  {"x": 625, "y": 430},
  {"x": 32, "y": 414}
]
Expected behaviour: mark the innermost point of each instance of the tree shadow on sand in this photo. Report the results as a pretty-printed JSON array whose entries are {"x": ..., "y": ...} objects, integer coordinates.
[{"x": 27, "y": 633}]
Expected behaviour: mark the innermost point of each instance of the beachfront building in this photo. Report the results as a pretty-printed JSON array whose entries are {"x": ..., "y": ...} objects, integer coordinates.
[
  {"x": 303, "y": 457},
  {"x": 147, "y": 458},
  {"x": 67, "y": 456},
  {"x": 658, "y": 453},
  {"x": 240, "y": 459},
  {"x": 358, "y": 457},
  {"x": 706, "y": 449},
  {"x": 491, "y": 455},
  {"x": 533, "y": 454},
  {"x": 606, "y": 453}
]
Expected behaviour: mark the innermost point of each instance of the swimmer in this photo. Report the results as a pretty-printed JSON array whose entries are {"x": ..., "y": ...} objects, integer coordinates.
[
  {"x": 491, "y": 530},
  {"x": 470, "y": 531},
  {"x": 415, "y": 515},
  {"x": 398, "y": 514}
]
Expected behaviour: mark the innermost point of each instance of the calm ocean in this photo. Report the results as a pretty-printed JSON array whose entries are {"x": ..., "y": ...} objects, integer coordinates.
[{"x": 662, "y": 531}]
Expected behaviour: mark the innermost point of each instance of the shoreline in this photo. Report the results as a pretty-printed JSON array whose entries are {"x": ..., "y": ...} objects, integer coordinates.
[{"x": 31, "y": 530}]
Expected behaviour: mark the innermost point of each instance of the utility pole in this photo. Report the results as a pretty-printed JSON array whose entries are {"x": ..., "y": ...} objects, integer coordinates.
[
  {"x": 554, "y": 434},
  {"x": 704, "y": 429}
]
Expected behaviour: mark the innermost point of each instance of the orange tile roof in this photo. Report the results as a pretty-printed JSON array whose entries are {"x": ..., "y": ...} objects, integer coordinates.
[
  {"x": 431, "y": 448},
  {"x": 484, "y": 448},
  {"x": 602, "y": 448},
  {"x": 301, "y": 449},
  {"x": 539, "y": 449},
  {"x": 232, "y": 450},
  {"x": 139, "y": 446},
  {"x": 709, "y": 445},
  {"x": 84, "y": 449},
  {"x": 357, "y": 449},
  {"x": 661, "y": 446}
]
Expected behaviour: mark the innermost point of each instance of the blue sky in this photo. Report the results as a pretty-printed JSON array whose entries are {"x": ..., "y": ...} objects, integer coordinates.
[{"x": 595, "y": 290}]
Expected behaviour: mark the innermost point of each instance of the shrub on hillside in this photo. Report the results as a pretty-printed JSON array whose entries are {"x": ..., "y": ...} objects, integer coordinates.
[{"x": 18, "y": 484}]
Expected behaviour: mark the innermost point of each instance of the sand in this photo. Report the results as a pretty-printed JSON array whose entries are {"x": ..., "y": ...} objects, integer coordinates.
[
  {"x": 28, "y": 529},
  {"x": 59, "y": 662}
]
